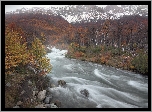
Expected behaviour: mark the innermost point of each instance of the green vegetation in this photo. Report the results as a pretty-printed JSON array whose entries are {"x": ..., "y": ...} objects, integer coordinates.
[
  {"x": 38, "y": 50},
  {"x": 111, "y": 56},
  {"x": 140, "y": 63}
]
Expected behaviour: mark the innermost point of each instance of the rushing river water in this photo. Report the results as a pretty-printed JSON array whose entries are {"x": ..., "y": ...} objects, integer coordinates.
[{"x": 108, "y": 87}]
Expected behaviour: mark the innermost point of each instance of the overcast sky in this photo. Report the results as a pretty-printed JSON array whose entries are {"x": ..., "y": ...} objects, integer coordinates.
[{"x": 9, "y": 8}]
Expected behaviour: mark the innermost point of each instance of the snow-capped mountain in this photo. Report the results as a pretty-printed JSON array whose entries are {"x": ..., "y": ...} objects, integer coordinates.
[{"x": 88, "y": 13}]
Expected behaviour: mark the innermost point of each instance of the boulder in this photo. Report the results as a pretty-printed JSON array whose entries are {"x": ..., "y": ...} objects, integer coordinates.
[
  {"x": 50, "y": 95},
  {"x": 35, "y": 93},
  {"x": 61, "y": 83},
  {"x": 22, "y": 92},
  {"x": 35, "y": 88},
  {"x": 29, "y": 67},
  {"x": 85, "y": 92},
  {"x": 29, "y": 83},
  {"x": 57, "y": 103},
  {"x": 47, "y": 105},
  {"x": 16, "y": 106},
  {"x": 19, "y": 103},
  {"x": 50, "y": 105},
  {"x": 41, "y": 95},
  {"x": 40, "y": 106},
  {"x": 32, "y": 100},
  {"x": 48, "y": 91},
  {"x": 53, "y": 105},
  {"x": 52, "y": 85},
  {"x": 47, "y": 100},
  {"x": 48, "y": 50},
  {"x": 8, "y": 84}
]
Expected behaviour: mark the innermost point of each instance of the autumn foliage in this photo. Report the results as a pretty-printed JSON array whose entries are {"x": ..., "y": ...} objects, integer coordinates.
[
  {"x": 86, "y": 40},
  {"x": 17, "y": 53}
]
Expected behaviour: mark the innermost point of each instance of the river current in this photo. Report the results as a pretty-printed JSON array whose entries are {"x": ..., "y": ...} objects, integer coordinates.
[{"x": 108, "y": 87}]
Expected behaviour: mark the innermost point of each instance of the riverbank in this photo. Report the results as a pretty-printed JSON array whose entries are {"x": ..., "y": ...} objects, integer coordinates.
[
  {"x": 98, "y": 81},
  {"x": 75, "y": 84},
  {"x": 27, "y": 89},
  {"x": 22, "y": 87},
  {"x": 135, "y": 61}
]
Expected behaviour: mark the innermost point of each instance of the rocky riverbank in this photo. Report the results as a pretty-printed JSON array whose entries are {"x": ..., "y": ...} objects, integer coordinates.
[
  {"x": 29, "y": 89},
  {"x": 32, "y": 96},
  {"x": 34, "y": 93}
]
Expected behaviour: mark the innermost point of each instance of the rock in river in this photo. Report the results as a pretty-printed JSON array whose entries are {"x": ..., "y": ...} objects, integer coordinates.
[
  {"x": 52, "y": 105},
  {"x": 47, "y": 100},
  {"x": 57, "y": 103},
  {"x": 41, "y": 95},
  {"x": 85, "y": 92},
  {"x": 61, "y": 82},
  {"x": 16, "y": 106}
]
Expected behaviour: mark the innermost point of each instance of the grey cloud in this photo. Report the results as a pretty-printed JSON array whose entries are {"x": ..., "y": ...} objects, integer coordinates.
[{"x": 9, "y": 8}]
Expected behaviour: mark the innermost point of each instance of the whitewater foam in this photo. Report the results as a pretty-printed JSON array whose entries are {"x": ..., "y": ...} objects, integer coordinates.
[
  {"x": 139, "y": 86},
  {"x": 69, "y": 67},
  {"x": 108, "y": 88},
  {"x": 101, "y": 75},
  {"x": 56, "y": 53}
]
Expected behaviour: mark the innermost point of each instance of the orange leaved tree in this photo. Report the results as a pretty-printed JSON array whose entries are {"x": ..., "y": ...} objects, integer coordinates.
[{"x": 15, "y": 49}]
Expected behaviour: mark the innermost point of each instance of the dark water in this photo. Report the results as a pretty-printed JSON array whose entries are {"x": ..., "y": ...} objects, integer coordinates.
[{"x": 108, "y": 87}]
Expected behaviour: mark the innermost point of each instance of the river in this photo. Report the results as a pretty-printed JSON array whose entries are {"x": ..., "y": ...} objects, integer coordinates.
[{"x": 108, "y": 87}]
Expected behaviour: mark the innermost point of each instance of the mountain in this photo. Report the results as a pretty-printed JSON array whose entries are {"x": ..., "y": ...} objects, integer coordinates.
[
  {"x": 92, "y": 24},
  {"x": 87, "y": 13}
]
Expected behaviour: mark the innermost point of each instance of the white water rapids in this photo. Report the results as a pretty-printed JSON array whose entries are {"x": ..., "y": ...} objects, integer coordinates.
[{"x": 108, "y": 87}]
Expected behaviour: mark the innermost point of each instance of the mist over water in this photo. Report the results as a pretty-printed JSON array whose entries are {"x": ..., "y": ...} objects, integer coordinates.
[{"x": 108, "y": 87}]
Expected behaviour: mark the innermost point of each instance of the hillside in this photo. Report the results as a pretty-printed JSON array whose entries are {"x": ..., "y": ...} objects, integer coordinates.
[
  {"x": 52, "y": 27},
  {"x": 98, "y": 38}
]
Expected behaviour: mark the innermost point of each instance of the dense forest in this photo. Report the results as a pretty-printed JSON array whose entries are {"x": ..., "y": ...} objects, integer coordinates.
[
  {"x": 101, "y": 36},
  {"x": 113, "y": 36}
]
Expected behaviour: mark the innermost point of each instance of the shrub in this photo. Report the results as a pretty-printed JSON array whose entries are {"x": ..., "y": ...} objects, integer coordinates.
[
  {"x": 116, "y": 51},
  {"x": 39, "y": 52},
  {"x": 15, "y": 50},
  {"x": 83, "y": 59},
  {"x": 140, "y": 62},
  {"x": 103, "y": 60},
  {"x": 132, "y": 67},
  {"x": 82, "y": 49},
  {"x": 78, "y": 54},
  {"x": 96, "y": 49}
]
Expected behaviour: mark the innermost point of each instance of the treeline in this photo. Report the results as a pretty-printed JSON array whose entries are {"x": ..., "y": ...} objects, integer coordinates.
[
  {"x": 129, "y": 32},
  {"x": 121, "y": 43},
  {"x": 115, "y": 42},
  {"x": 51, "y": 28}
]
